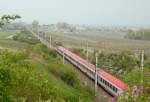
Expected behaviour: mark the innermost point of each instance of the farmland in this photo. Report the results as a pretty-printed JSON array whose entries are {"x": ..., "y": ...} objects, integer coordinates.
[
  {"x": 112, "y": 41},
  {"x": 7, "y": 35}
]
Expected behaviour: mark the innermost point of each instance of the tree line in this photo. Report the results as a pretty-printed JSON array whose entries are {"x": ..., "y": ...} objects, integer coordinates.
[{"x": 143, "y": 34}]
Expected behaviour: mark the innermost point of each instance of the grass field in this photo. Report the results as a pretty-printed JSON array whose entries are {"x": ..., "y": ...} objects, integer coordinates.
[
  {"x": 100, "y": 40},
  {"x": 7, "y": 35},
  {"x": 6, "y": 41},
  {"x": 40, "y": 67},
  {"x": 11, "y": 44}
]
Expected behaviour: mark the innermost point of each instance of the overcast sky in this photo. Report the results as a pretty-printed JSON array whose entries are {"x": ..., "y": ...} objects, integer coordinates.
[{"x": 106, "y": 12}]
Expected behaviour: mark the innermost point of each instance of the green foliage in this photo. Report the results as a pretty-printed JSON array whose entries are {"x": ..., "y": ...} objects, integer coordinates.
[
  {"x": 9, "y": 57},
  {"x": 139, "y": 35},
  {"x": 6, "y": 19},
  {"x": 134, "y": 78},
  {"x": 26, "y": 36},
  {"x": 6, "y": 35},
  {"x": 64, "y": 73},
  {"x": 35, "y": 25},
  {"x": 115, "y": 63},
  {"x": 80, "y": 52},
  {"x": 4, "y": 82},
  {"x": 44, "y": 51},
  {"x": 27, "y": 80},
  {"x": 24, "y": 79},
  {"x": 10, "y": 17},
  {"x": 130, "y": 98}
]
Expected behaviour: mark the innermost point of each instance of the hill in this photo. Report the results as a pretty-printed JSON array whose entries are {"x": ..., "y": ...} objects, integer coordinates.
[{"x": 30, "y": 72}]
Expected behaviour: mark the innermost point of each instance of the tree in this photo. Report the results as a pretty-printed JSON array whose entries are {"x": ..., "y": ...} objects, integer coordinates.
[
  {"x": 7, "y": 18},
  {"x": 143, "y": 34},
  {"x": 35, "y": 25}
]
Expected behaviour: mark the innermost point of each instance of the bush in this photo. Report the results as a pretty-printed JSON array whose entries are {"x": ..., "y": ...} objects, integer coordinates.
[
  {"x": 44, "y": 51},
  {"x": 23, "y": 80},
  {"x": 27, "y": 37},
  {"x": 64, "y": 73},
  {"x": 12, "y": 57}
]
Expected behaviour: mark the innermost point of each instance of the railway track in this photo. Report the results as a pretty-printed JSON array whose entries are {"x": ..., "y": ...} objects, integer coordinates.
[{"x": 109, "y": 83}]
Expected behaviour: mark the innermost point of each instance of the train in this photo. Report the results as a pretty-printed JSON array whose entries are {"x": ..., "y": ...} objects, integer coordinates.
[{"x": 112, "y": 85}]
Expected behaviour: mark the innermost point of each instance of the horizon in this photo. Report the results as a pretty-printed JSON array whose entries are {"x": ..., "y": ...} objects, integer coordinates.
[{"x": 96, "y": 12}]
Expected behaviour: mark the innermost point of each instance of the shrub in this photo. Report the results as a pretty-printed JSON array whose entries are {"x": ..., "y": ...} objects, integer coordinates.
[
  {"x": 64, "y": 73},
  {"x": 27, "y": 37}
]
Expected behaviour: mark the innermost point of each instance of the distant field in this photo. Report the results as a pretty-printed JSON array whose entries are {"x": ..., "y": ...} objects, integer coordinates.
[
  {"x": 10, "y": 44},
  {"x": 7, "y": 35},
  {"x": 100, "y": 40},
  {"x": 6, "y": 41}
]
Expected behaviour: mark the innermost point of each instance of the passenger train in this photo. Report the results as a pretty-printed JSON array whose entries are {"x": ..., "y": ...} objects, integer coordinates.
[{"x": 111, "y": 84}]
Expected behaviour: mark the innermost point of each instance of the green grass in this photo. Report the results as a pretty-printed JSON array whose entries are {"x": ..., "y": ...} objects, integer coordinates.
[
  {"x": 31, "y": 79},
  {"x": 112, "y": 41},
  {"x": 6, "y": 41},
  {"x": 7, "y": 35},
  {"x": 14, "y": 45},
  {"x": 30, "y": 76},
  {"x": 63, "y": 88}
]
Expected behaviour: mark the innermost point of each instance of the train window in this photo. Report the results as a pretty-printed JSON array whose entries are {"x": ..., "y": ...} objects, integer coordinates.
[
  {"x": 110, "y": 86},
  {"x": 116, "y": 89},
  {"x": 113, "y": 88},
  {"x": 101, "y": 79},
  {"x": 105, "y": 82}
]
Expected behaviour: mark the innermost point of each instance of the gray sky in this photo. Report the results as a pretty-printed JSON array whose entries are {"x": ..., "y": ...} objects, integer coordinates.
[{"x": 107, "y": 12}]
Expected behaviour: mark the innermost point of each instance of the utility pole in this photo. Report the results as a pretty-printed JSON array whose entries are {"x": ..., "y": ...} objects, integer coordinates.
[
  {"x": 142, "y": 65},
  {"x": 96, "y": 74},
  {"x": 87, "y": 52}
]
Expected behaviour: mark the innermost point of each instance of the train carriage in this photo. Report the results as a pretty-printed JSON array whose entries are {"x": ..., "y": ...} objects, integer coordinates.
[{"x": 107, "y": 81}]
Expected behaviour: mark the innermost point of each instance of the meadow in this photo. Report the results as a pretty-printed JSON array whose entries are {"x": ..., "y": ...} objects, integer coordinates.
[
  {"x": 7, "y": 35},
  {"x": 103, "y": 41}
]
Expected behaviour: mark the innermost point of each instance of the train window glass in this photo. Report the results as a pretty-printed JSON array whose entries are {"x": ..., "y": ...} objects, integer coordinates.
[
  {"x": 105, "y": 82},
  {"x": 113, "y": 88},
  {"x": 110, "y": 86},
  {"x": 116, "y": 90},
  {"x": 101, "y": 79}
]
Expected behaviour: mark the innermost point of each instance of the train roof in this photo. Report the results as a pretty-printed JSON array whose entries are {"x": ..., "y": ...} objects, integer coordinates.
[{"x": 102, "y": 73}]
